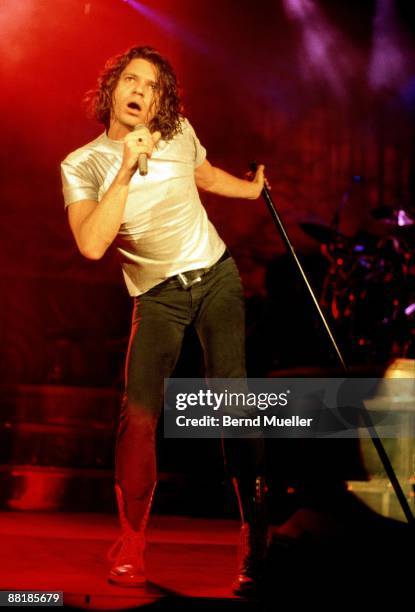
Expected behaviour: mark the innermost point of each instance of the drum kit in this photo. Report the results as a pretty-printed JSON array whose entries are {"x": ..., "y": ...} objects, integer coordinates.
[{"x": 369, "y": 288}]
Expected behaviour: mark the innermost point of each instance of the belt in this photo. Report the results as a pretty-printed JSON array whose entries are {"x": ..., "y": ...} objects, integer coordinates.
[{"x": 192, "y": 277}]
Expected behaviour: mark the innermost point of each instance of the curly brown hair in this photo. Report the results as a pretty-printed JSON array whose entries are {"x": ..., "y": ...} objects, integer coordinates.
[{"x": 169, "y": 113}]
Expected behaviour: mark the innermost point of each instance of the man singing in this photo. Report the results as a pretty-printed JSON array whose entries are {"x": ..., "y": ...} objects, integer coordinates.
[{"x": 179, "y": 273}]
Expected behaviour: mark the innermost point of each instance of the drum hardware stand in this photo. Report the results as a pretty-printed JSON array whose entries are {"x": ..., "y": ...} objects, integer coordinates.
[
  {"x": 345, "y": 198},
  {"x": 380, "y": 449}
]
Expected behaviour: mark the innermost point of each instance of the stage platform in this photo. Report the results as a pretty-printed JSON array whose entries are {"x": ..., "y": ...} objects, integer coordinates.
[
  {"x": 189, "y": 560},
  {"x": 341, "y": 547}
]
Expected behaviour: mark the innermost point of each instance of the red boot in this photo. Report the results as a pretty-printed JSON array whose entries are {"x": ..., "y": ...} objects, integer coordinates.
[{"x": 128, "y": 551}]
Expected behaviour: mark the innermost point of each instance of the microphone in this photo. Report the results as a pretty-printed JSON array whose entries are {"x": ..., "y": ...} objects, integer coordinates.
[{"x": 142, "y": 158}]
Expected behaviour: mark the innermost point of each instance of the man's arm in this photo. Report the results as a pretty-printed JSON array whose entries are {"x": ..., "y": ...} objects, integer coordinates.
[
  {"x": 218, "y": 181},
  {"x": 95, "y": 225}
]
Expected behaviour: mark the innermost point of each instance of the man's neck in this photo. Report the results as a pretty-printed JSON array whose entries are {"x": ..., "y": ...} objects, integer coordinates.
[{"x": 117, "y": 131}]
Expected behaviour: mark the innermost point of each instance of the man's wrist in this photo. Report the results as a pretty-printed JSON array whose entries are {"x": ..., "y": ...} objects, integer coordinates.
[
  {"x": 252, "y": 190},
  {"x": 123, "y": 177}
]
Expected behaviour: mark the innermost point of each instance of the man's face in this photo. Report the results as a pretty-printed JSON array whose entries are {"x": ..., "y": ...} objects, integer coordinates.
[{"x": 134, "y": 99}]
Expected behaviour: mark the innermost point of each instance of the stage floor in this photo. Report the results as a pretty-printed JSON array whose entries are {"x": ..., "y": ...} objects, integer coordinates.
[
  {"x": 187, "y": 557},
  {"x": 342, "y": 547}
]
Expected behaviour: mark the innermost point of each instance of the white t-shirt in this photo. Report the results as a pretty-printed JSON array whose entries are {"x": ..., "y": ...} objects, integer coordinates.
[{"x": 165, "y": 229}]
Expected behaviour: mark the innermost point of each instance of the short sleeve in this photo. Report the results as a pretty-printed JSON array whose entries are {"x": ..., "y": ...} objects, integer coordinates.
[
  {"x": 199, "y": 149},
  {"x": 77, "y": 182}
]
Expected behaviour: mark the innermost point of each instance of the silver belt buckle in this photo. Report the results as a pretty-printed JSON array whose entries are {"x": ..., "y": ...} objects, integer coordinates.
[{"x": 188, "y": 279}]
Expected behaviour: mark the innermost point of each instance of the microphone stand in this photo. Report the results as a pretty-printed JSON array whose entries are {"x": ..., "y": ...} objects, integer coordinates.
[{"x": 380, "y": 449}]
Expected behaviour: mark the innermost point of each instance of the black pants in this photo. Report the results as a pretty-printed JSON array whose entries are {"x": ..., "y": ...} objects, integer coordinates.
[{"x": 215, "y": 307}]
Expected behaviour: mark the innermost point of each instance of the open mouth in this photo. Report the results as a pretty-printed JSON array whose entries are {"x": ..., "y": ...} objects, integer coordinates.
[{"x": 134, "y": 106}]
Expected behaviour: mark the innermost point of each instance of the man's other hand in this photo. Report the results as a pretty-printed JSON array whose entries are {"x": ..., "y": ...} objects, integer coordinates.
[{"x": 258, "y": 180}]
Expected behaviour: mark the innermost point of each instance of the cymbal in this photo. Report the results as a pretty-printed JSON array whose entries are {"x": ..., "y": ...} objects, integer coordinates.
[
  {"x": 323, "y": 233},
  {"x": 393, "y": 216}
]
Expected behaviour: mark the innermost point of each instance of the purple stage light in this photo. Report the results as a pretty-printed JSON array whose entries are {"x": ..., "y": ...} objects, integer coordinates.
[
  {"x": 325, "y": 55},
  {"x": 299, "y": 9},
  {"x": 167, "y": 23},
  {"x": 391, "y": 51}
]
